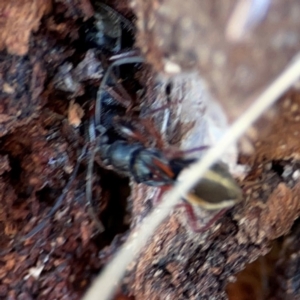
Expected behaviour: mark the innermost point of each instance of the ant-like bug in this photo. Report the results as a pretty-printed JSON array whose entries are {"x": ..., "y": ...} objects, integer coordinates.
[
  {"x": 217, "y": 190},
  {"x": 148, "y": 165}
]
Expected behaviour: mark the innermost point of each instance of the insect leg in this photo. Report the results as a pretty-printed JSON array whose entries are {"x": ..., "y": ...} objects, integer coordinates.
[
  {"x": 193, "y": 220},
  {"x": 89, "y": 175},
  {"x": 157, "y": 197},
  {"x": 182, "y": 153},
  {"x": 151, "y": 129},
  {"x": 121, "y": 99},
  {"x": 129, "y": 53},
  {"x": 123, "y": 61}
]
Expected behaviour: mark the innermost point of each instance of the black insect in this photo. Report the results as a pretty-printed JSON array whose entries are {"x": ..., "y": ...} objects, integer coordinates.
[
  {"x": 119, "y": 144},
  {"x": 216, "y": 191}
]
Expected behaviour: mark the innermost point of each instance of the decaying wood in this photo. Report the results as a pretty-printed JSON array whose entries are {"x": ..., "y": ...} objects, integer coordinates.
[
  {"x": 18, "y": 20},
  {"x": 38, "y": 148}
]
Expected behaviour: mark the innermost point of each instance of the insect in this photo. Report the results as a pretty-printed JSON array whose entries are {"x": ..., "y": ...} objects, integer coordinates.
[{"x": 216, "y": 191}]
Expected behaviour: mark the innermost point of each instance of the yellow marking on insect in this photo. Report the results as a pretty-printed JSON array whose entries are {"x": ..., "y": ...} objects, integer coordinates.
[{"x": 216, "y": 190}]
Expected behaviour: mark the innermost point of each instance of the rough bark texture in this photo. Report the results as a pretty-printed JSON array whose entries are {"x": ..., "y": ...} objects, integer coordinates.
[
  {"x": 180, "y": 264},
  {"x": 18, "y": 20},
  {"x": 43, "y": 51},
  {"x": 177, "y": 38}
]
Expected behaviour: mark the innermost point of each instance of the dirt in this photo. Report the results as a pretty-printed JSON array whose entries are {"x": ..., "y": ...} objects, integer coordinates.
[{"x": 49, "y": 80}]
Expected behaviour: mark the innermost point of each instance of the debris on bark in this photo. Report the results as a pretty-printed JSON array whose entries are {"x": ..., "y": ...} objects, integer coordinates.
[{"x": 46, "y": 97}]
